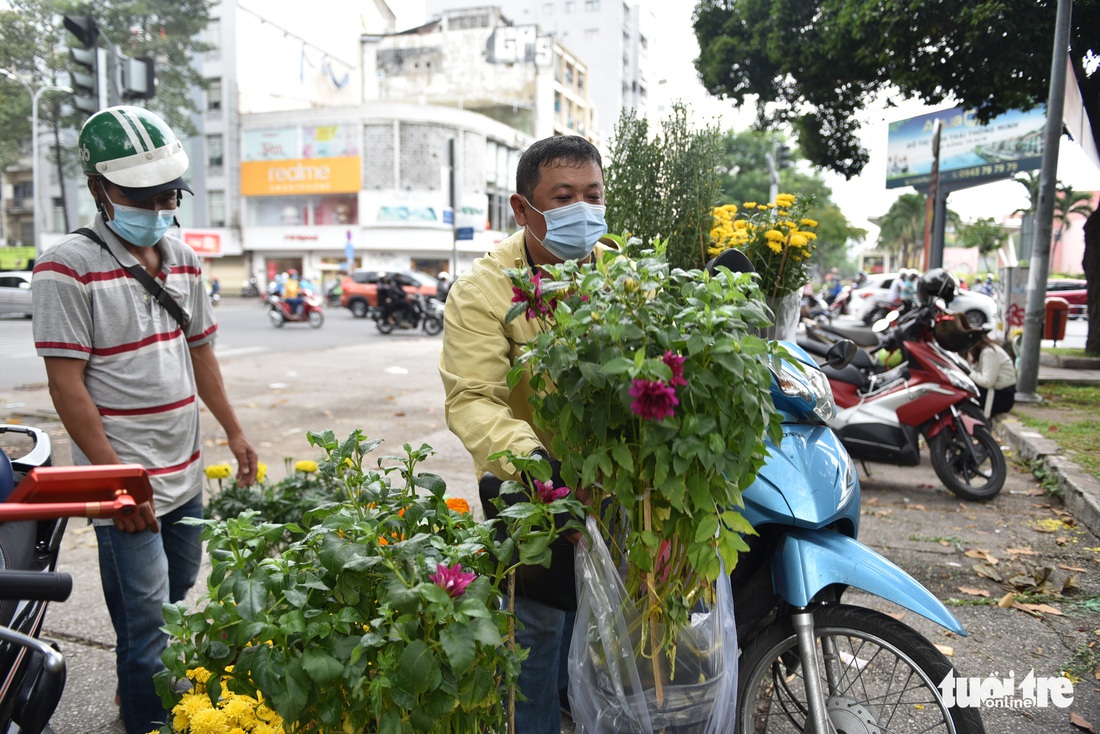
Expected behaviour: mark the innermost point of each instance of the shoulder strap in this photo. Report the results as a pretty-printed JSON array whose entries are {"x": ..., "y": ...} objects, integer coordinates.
[{"x": 142, "y": 275}]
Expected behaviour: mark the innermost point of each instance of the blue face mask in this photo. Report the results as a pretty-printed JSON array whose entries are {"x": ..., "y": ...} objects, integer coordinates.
[
  {"x": 140, "y": 227},
  {"x": 572, "y": 231}
]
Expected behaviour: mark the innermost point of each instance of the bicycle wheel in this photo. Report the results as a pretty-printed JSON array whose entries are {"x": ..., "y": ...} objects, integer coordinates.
[{"x": 879, "y": 676}]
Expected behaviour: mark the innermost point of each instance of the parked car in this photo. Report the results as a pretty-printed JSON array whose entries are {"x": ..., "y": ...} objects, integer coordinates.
[
  {"x": 1073, "y": 291},
  {"x": 978, "y": 309},
  {"x": 15, "y": 293},
  {"x": 360, "y": 288}
]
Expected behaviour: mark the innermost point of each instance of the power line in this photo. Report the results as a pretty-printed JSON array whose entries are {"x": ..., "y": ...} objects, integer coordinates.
[{"x": 294, "y": 35}]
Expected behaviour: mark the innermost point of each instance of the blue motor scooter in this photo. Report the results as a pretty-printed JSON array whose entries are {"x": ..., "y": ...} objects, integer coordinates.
[{"x": 809, "y": 663}]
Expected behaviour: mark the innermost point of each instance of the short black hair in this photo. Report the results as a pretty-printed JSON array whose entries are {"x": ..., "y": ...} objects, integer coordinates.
[{"x": 569, "y": 149}]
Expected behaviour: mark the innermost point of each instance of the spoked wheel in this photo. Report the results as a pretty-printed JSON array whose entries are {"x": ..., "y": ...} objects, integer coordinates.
[
  {"x": 879, "y": 677},
  {"x": 971, "y": 475},
  {"x": 316, "y": 318},
  {"x": 383, "y": 325},
  {"x": 276, "y": 318}
]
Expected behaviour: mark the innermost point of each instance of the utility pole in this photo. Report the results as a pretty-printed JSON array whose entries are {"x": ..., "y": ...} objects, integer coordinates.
[{"x": 1028, "y": 378}]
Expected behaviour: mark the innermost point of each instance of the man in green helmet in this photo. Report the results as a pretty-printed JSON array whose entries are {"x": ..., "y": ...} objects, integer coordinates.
[{"x": 126, "y": 330}]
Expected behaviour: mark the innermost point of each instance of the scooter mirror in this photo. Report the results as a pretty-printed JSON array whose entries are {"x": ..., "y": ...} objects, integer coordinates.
[
  {"x": 841, "y": 354},
  {"x": 735, "y": 260}
]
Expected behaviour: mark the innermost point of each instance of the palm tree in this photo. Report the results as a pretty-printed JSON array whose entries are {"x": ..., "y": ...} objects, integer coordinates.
[
  {"x": 1068, "y": 203},
  {"x": 901, "y": 229}
]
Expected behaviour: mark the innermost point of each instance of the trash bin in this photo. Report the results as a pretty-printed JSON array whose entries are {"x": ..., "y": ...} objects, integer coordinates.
[{"x": 1057, "y": 314}]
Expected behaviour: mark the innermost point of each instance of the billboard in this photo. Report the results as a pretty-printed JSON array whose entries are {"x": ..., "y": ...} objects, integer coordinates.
[
  {"x": 969, "y": 151},
  {"x": 308, "y": 159}
]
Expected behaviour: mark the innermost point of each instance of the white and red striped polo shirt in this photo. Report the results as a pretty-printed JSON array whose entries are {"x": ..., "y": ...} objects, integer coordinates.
[{"x": 138, "y": 370}]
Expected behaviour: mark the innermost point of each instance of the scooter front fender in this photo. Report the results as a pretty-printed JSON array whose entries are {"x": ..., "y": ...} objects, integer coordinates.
[{"x": 807, "y": 561}]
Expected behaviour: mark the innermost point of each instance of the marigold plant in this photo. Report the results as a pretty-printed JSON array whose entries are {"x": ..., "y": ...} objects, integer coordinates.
[
  {"x": 375, "y": 611},
  {"x": 777, "y": 238}
]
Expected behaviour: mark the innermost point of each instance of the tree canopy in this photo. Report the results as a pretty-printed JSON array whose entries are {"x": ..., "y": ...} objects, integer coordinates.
[
  {"x": 816, "y": 63},
  {"x": 34, "y": 48}
]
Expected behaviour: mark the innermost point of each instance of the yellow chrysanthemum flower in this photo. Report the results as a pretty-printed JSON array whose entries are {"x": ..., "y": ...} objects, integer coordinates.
[
  {"x": 740, "y": 224},
  {"x": 774, "y": 235},
  {"x": 810, "y": 236},
  {"x": 261, "y": 471},
  {"x": 210, "y": 721},
  {"x": 808, "y": 223},
  {"x": 305, "y": 466},
  {"x": 219, "y": 471},
  {"x": 775, "y": 246},
  {"x": 750, "y": 204},
  {"x": 798, "y": 239}
]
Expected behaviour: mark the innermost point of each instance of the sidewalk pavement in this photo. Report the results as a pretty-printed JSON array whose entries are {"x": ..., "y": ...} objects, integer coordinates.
[{"x": 1081, "y": 491}]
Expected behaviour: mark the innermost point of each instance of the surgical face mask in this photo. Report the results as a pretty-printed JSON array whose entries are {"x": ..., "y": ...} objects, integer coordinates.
[
  {"x": 572, "y": 231},
  {"x": 140, "y": 227}
]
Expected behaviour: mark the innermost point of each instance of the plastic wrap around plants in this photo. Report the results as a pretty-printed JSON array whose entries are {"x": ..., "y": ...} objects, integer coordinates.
[{"x": 614, "y": 690}]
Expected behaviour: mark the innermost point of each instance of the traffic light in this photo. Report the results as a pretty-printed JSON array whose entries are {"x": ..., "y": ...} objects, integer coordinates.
[
  {"x": 784, "y": 156},
  {"x": 88, "y": 93},
  {"x": 138, "y": 78}
]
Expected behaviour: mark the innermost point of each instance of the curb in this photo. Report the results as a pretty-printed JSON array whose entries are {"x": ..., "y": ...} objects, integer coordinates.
[
  {"x": 1069, "y": 363},
  {"x": 1080, "y": 491}
]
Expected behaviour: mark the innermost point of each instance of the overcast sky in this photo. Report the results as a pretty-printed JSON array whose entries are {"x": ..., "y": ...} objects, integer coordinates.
[{"x": 673, "y": 51}]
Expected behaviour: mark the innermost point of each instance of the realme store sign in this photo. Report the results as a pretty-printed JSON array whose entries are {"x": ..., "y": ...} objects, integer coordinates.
[{"x": 302, "y": 175}]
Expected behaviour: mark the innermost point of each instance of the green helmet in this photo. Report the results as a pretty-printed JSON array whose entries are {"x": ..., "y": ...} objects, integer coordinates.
[{"x": 133, "y": 149}]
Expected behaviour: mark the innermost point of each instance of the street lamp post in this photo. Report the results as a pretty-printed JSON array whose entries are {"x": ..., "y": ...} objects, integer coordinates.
[{"x": 36, "y": 197}]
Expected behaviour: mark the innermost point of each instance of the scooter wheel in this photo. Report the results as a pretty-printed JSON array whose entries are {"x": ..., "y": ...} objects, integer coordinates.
[
  {"x": 433, "y": 325},
  {"x": 316, "y": 318},
  {"x": 772, "y": 688},
  {"x": 973, "y": 473},
  {"x": 276, "y": 318},
  {"x": 384, "y": 326}
]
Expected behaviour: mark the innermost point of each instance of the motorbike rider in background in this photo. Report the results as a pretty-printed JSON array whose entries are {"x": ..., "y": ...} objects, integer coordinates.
[
  {"x": 292, "y": 292},
  {"x": 394, "y": 302}
]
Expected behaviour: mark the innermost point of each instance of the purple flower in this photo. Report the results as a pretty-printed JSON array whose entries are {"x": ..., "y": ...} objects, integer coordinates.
[
  {"x": 548, "y": 494},
  {"x": 452, "y": 579},
  {"x": 675, "y": 363},
  {"x": 535, "y": 304},
  {"x": 654, "y": 400}
]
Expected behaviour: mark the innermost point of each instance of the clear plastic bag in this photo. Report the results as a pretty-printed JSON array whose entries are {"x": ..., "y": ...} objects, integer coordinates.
[{"x": 611, "y": 691}]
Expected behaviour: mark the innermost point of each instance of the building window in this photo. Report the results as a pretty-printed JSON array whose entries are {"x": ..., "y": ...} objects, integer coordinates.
[
  {"x": 215, "y": 155},
  {"x": 591, "y": 6},
  {"x": 215, "y": 206},
  {"x": 212, "y": 35},
  {"x": 570, "y": 7},
  {"x": 580, "y": 82},
  {"x": 214, "y": 95},
  {"x": 548, "y": 8},
  {"x": 591, "y": 34}
]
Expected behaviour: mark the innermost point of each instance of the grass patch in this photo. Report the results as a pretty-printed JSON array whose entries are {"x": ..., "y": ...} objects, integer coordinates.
[
  {"x": 1075, "y": 423},
  {"x": 1067, "y": 351}
]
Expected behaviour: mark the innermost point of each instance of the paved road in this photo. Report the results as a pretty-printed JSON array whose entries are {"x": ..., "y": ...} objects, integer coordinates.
[{"x": 389, "y": 387}]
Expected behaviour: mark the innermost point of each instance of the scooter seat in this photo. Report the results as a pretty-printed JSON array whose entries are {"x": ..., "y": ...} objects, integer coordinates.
[{"x": 861, "y": 335}]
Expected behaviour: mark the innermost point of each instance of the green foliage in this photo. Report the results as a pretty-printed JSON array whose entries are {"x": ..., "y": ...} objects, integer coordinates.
[
  {"x": 350, "y": 625},
  {"x": 672, "y": 477},
  {"x": 35, "y": 44},
  {"x": 815, "y": 64},
  {"x": 662, "y": 187},
  {"x": 901, "y": 230},
  {"x": 986, "y": 234}
]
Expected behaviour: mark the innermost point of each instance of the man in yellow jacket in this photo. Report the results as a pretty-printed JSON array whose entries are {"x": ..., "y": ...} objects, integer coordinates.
[{"x": 559, "y": 202}]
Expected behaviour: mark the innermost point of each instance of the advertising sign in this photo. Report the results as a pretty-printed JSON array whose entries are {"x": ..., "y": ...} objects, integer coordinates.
[
  {"x": 17, "y": 258},
  {"x": 205, "y": 244},
  {"x": 969, "y": 151},
  {"x": 300, "y": 176}
]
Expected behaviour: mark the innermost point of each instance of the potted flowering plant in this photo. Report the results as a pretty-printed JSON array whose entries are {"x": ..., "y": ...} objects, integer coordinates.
[
  {"x": 778, "y": 238},
  {"x": 656, "y": 390},
  {"x": 377, "y": 612}
]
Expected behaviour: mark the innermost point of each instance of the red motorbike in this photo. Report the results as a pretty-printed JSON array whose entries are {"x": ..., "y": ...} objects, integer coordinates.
[
  {"x": 311, "y": 311},
  {"x": 882, "y": 413}
]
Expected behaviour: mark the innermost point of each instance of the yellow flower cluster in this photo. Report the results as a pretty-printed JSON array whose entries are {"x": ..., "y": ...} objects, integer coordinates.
[
  {"x": 775, "y": 238},
  {"x": 233, "y": 714},
  {"x": 305, "y": 466},
  {"x": 219, "y": 471}
]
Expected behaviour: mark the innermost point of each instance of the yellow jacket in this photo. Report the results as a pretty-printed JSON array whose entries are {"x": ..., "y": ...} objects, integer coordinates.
[{"x": 478, "y": 350}]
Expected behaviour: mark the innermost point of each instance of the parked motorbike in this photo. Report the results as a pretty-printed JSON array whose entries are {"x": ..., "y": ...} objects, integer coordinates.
[
  {"x": 839, "y": 305},
  {"x": 884, "y": 412},
  {"x": 423, "y": 311},
  {"x": 279, "y": 312},
  {"x": 250, "y": 288},
  {"x": 884, "y": 307},
  {"x": 810, "y": 663},
  {"x": 37, "y": 499}
]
